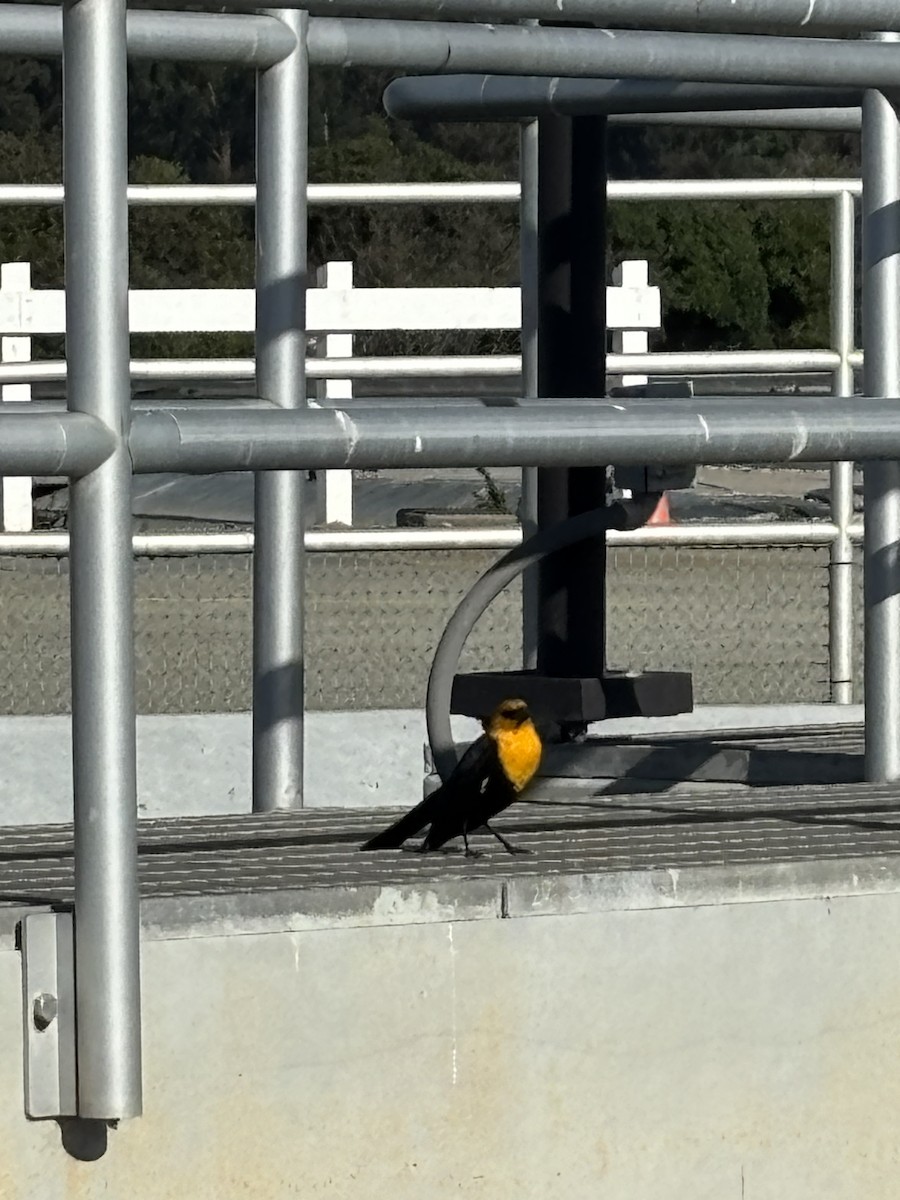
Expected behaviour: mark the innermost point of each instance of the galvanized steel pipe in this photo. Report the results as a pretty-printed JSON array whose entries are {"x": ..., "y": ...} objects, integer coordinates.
[
  {"x": 278, "y": 589},
  {"x": 252, "y": 40},
  {"x": 511, "y": 97},
  {"x": 800, "y": 16},
  {"x": 347, "y": 541},
  {"x": 521, "y": 433},
  {"x": 107, "y": 915},
  {"x": 881, "y": 337},
  {"x": 693, "y": 362},
  {"x": 529, "y": 273},
  {"x": 840, "y": 592},
  {"x": 459, "y": 49},
  {"x": 44, "y": 443},
  {"x": 825, "y": 120}
]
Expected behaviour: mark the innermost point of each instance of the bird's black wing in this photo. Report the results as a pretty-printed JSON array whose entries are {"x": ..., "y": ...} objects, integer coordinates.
[
  {"x": 473, "y": 769},
  {"x": 484, "y": 792}
]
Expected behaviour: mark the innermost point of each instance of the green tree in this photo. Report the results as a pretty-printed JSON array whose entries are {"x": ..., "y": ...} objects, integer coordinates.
[
  {"x": 733, "y": 275},
  {"x": 176, "y": 247},
  {"x": 28, "y": 233},
  {"x": 425, "y": 246}
]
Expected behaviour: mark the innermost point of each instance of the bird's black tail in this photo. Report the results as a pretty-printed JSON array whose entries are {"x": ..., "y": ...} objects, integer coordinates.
[{"x": 407, "y": 826}]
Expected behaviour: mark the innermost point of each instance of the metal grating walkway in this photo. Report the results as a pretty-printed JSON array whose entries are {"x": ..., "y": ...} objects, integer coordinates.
[{"x": 580, "y": 833}]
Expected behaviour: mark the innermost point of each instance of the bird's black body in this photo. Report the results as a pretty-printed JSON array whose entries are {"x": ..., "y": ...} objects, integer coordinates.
[{"x": 476, "y": 791}]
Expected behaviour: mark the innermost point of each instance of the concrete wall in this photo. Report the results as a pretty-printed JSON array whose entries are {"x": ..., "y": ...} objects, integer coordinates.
[
  {"x": 200, "y": 764},
  {"x": 692, "y": 1036}
]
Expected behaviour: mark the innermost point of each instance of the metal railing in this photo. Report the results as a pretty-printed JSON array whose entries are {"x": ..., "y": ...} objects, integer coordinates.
[
  {"x": 99, "y": 441},
  {"x": 838, "y": 361}
]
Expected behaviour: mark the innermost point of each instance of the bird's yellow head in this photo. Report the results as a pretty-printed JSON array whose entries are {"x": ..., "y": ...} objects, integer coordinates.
[{"x": 508, "y": 715}]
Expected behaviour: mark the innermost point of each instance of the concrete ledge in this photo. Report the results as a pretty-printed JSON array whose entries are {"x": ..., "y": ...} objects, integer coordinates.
[{"x": 418, "y": 902}]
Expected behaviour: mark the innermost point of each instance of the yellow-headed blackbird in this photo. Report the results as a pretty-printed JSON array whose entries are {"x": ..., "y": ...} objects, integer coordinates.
[{"x": 487, "y": 779}]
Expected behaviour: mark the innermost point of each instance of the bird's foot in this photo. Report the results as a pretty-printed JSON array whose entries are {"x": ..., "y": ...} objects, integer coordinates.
[
  {"x": 518, "y": 849},
  {"x": 470, "y": 853}
]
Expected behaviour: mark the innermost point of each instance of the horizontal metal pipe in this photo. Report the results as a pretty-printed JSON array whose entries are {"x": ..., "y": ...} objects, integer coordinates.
[
  {"x": 512, "y": 97},
  {"x": 511, "y": 432},
  {"x": 359, "y": 194},
  {"x": 724, "y": 362},
  {"x": 799, "y": 15},
  {"x": 47, "y": 443},
  {"x": 460, "y": 49},
  {"x": 175, "y": 545},
  {"x": 718, "y": 362},
  {"x": 731, "y": 189},
  {"x": 251, "y": 40},
  {"x": 176, "y": 369},
  {"x": 825, "y": 120},
  {"x": 239, "y": 195},
  {"x": 254, "y": 40}
]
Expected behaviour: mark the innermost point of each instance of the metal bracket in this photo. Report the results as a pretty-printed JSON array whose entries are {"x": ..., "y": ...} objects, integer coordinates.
[
  {"x": 653, "y": 477},
  {"x": 48, "y": 995}
]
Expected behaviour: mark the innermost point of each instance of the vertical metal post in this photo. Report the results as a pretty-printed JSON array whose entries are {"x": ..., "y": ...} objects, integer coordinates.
[
  {"x": 107, "y": 923},
  {"x": 572, "y": 362},
  {"x": 881, "y": 341},
  {"x": 278, "y": 562},
  {"x": 840, "y": 598},
  {"x": 528, "y": 259}
]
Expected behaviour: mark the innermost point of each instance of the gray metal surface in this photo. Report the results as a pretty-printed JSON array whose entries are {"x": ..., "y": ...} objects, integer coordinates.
[
  {"x": 504, "y": 431},
  {"x": 48, "y": 1004},
  {"x": 751, "y": 624},
  {"x": 881, "y": 337},
  {"x": 529, "y": 275},
  {"x": 255, "y": 41},
  {"x": 103, "y": 736},
  {"x": 840, "y": 640},
  {"x": 517, "y": 50},
  {"x": 434, "y": 47},
  {"x": 30, "y": 441},
  {"x": 499, "y": 97},
  {"x": 274, "y": 852},
  {"x": 822, "y": 757},
  {"x": 460, "y": 433},
  {"x": 823, "y": 119},
  {"x": 801, "y": 16},
  {"x": 282, "y": 161}
]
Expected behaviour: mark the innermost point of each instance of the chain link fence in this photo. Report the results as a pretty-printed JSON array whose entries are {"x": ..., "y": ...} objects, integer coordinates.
[{"x": 750, "y": 623}]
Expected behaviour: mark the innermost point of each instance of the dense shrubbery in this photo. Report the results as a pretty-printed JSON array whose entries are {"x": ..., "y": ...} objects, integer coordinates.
[{"x": 735, "y": 275}]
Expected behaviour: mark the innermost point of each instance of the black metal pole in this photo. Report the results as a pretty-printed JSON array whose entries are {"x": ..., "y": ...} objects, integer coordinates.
[{"x": 572, "y": 362}]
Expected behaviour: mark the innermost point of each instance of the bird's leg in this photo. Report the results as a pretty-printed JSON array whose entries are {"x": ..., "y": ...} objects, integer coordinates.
[
  {"x": 508, "y": 845},
  {"x": 469, "y": 852}
]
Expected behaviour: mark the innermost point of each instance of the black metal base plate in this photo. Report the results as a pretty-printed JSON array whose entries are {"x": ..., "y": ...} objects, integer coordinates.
[{"x": 576, "y": 701}]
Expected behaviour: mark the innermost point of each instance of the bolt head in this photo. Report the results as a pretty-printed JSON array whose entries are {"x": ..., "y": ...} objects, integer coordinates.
[{"x": 44, "y": 1010}]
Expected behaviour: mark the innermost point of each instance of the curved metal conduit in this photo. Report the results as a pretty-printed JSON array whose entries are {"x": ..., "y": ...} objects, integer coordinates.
[{"x": 622, "y": 515}]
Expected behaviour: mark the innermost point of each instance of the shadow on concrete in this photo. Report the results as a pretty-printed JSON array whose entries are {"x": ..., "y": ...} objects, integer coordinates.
[{"x": 83, "y": 1139}]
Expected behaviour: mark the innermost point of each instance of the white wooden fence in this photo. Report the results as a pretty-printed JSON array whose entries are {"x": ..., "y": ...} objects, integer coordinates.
[{"x": 336, "y": 310}]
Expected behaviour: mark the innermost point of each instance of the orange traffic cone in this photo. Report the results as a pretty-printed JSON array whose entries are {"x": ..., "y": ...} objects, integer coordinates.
[{"x": 661, "y": 514}]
